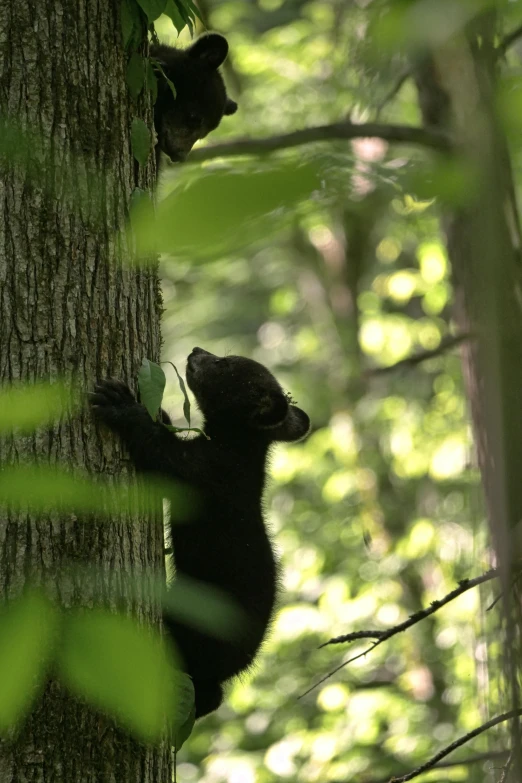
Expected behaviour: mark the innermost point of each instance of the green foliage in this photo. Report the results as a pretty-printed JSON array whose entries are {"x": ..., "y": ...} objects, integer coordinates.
[
  {"x": 124, "y": 670},
  {"x": 152, "y": 8},
  {"x": 379, "y": 512},
  {"x": 151, "y": 383},
  {"x": 28, "y": 635},
  {"x": 140, "y": 141},
  {"x": 205, "y": 608},
  {"x": 186, "y": 401},
  {"x": 26, "y": 407},
  {"x": 184, "y": 712},
  {"x": 235, "y": 206}
]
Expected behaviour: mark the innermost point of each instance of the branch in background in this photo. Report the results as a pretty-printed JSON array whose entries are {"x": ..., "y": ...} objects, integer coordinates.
[
  {"x": 412, "y": 361},
  {"x": 404, "y": 76},
  {"x": 510, "y": 39},
  {"x": 457, "y": 744},
  {"x": 383, "y": 636},
  {"x": 505, "y": 769},
  {"x": 403, "y": 134},
  {"x": 476, "y": 758}
]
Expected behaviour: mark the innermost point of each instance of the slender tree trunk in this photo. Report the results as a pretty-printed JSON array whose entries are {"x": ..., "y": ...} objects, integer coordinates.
[
  {"x": 456, "y": 87},
  {"x": 457, "y": 94},
  {"x": 71, "y": 307}
]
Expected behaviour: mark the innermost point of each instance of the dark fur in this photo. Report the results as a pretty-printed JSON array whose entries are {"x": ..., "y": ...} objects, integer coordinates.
[
  {"x": 201, "y": 98},
  {"x": 226, "y": 545}
]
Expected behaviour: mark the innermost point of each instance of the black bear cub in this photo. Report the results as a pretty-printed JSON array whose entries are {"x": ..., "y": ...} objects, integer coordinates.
[
  {"x": 201, "y": 98},
  {"x": 226, "y": 545}
]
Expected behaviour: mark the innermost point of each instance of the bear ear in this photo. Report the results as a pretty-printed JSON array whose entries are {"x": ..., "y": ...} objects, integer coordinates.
[
  {"x": 295, "y": 426},
  {"x": 230, "y": 107},
  {"x": 281, "y": 421},
  {"x": 270, "y": 410},
  {"x": 210, "y": 49}
]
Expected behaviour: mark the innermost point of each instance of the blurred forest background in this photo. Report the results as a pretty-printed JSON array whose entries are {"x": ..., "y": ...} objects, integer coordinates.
[
  {"x": 323, "y": 255},
  {"x": 380, "y": 511}
]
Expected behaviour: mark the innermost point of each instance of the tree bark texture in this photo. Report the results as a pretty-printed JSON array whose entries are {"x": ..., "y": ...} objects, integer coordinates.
[{"x": 70, "y": 306}]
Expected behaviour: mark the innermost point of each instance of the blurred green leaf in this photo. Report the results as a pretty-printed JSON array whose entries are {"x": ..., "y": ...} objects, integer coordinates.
[
  {"x": 42, "y": 488},
  {"x": 140, "y": 140},
  {"x": 206, "y": 608},
  {"x": 122, "y": 669},
  {"x": 28, "y": 630},
  {"x": 26, "y": 407},
  {"x": 226, "y": 208},
  {"x": 151, "y": 382}
]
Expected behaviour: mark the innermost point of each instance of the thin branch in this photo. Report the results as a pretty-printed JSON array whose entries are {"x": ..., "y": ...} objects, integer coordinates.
[
  {"x": 476, "y": 758},
  {"x": 383, "y": 636},
  {"x": 451, "y": 341},
  {"x": 392, "y": 92},
  {"x": 457, "y": 744},
  {"x": 505, "y": 769},
  {"x": 403, "y": 134},
  {"x": 510, "y": 39}
]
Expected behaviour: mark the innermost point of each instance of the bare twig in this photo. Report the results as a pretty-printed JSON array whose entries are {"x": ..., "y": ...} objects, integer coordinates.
[
  {"x": 383, "y": 636},
  {"x": 403, "y": 134},
  {"x": 506, "y": 768},
  {"x": 510, "y": 39},
  {"x": 451, "y": 341},
  {"x": 457, "y": 744}
]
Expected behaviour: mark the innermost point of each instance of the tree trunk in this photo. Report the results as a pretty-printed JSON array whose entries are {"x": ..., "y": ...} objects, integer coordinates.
[
  {"x": 456, "y": 88},
  {"x": 457, "y": 94},
  {"x": 71, "y": 307}
]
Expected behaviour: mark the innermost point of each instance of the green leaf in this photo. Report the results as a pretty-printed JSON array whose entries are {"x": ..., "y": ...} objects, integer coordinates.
[
  {"x": 152, "y": 8},
  {"x": 136, "y": 74},
  {"x": 224, "y": 209},
  {"x": 42, "y": 488},
  {"x": 158, "y": 67},
  {"x": 206, "y": 608},
  {"x": 184, "y": 713},
  {"x": 186, "y": 401},
  {"x": 151, "y": 383},
  {"x": 185, "y": 15},
  {"x": 191, "y": 9},
  {"x": 151, "y": 80},
  {"x": 121, "y": 668},
  {"x": 26, "y": 407},
  {"x": 130, "y": 22},
  {"x": 28, "y": 632},
  {"x": 171, "y": 10},
  {"x": 140, "y": 141}
]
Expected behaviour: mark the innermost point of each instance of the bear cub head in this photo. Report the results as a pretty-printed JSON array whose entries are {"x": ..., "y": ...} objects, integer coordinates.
[
  {"x": 239, "y": 395},
  {"x": 201, "y": 98}
]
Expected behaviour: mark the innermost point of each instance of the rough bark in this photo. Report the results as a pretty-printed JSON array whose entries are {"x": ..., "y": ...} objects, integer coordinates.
[{"x": 71, "y": 307}]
